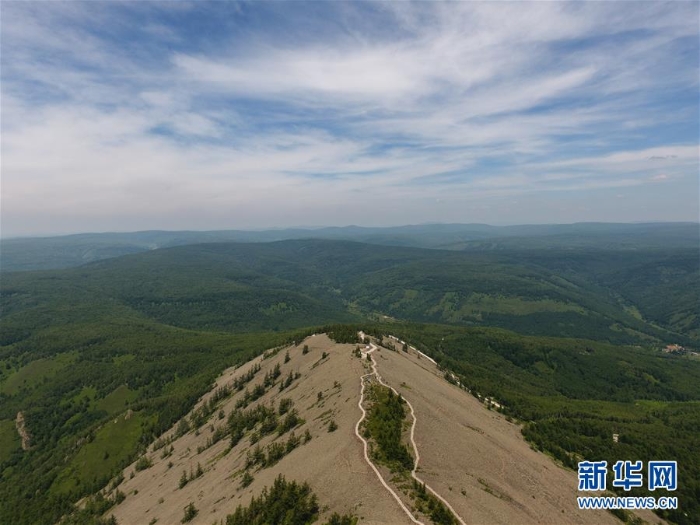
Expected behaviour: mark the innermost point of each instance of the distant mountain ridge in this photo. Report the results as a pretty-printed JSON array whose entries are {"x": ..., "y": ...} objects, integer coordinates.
[{"x": 44, "y": 253}]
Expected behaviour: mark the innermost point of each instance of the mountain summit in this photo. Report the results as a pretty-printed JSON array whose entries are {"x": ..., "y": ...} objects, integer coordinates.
[{"x": 321, "y": 413}]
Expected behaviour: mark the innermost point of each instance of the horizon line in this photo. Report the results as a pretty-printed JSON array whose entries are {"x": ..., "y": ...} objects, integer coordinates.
[{"x": 311, "y": 228}]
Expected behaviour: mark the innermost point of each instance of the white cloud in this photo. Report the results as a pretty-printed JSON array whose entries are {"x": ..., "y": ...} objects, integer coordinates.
[{"x": 453, "y": 101}]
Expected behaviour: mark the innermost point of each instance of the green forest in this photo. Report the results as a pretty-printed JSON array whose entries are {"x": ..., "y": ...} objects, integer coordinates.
[
  {"x": 566, "y": 338},
  {"x": 384, "y": 426},
  {"x": 621, "y": 296}
]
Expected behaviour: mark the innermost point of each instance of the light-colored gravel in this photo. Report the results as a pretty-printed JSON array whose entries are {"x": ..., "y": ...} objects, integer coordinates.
[
  {"x": 332, "y": 463},
  {"x": 471, "y": 456}
]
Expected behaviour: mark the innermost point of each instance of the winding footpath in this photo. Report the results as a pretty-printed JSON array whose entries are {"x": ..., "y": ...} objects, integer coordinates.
[
  {"x": 375, "y": 373},
  {"x": 365, "y": 446}
]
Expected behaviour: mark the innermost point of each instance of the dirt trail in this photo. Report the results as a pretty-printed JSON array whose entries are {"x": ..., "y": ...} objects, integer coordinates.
[
  {"x": 375, "y": 373},
  {"x": 23, "y": 432},
  {"x": 369, "y": 462},
  {"x": 477, "y": 459}
]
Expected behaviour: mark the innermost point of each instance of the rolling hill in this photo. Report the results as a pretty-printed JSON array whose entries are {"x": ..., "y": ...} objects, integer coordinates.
[
  {"x": 46, "y": 253},
  {"x": 145, "y": 335},
  {"x": 282, "y": 285}
]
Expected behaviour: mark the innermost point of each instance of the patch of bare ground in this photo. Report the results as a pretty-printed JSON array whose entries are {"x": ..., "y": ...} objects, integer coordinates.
[
  {"x": 21, "y": 425},
  {"x": 478, "y": 461},
  {"x": 331, "y": 462},
  {"x": 401, "y": 485}
]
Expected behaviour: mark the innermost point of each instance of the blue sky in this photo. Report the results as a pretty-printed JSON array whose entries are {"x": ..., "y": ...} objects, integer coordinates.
[{"x": 176, "y": 115}]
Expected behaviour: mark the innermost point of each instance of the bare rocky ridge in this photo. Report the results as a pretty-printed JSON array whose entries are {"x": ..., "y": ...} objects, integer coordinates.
[{"x": 472, "y": 457}]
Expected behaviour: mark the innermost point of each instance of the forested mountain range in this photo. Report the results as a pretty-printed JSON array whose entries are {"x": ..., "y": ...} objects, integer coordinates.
[
  {"x": 615, "y": 295},
  {"x": 568, "y": 335},
  {"x": 43, "y": 253}
]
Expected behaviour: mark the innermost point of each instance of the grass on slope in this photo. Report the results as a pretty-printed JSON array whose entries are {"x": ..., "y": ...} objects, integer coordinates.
[
  {"x": 110, "y": 446},
  {"x": 35, "y": 372}
]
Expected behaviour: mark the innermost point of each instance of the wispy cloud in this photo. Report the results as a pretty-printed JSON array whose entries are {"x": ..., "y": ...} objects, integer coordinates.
[{"x": 211, "y": 115}]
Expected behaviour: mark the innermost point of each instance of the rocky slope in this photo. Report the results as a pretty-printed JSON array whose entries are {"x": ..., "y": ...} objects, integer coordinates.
[{"x": 471, "y": 456}]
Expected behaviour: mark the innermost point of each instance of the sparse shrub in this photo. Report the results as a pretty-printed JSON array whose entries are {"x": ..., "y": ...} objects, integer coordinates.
[
  {"x": 305, "y": 350},
  {"x": 167, "y": 452},
  {"x": 271, "y": 376},
  {"x": 159, "y": 443},
  {"x": 184, "y": 480},
  {"x": 256, "y": 457},
  {"x": 190, "y": 513},
  {"x": 219, "y": 434},
  {"x": 432, "y": 506},
  {"x": 290, "y": 421},
  {"x": 337, "y": 519},
  {"x": 247, "y": 479},
  {"x": 275, "y": 452},
  {"x": 117, "y": 481},
  {"x": 182, "y": 428},
  {"x": 292, "y": 442},
  {"x": 288, "y": 380},
  {"x": 285, "y": 405},
  {"x": 332, "y": 426}
]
